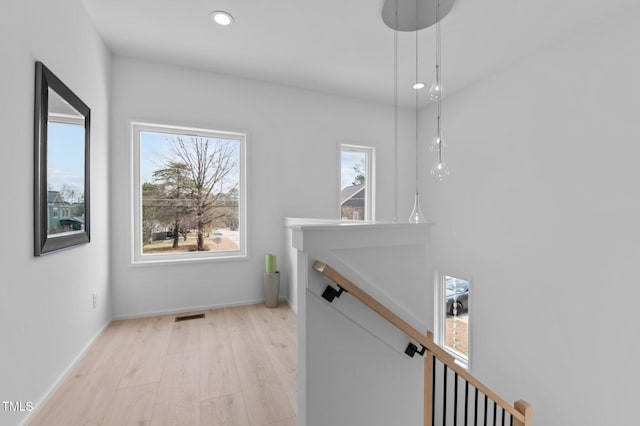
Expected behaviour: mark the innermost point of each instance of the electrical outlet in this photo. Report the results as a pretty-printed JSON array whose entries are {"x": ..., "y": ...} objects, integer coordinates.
[{"x": 95, "y": 300}]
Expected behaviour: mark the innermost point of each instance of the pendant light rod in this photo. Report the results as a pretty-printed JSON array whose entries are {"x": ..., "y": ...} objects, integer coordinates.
[
  {"x": 438, "y": 77},
  {"x": 438, "y": 41},
  {"x": 417, "y": 106},
  {"x": 395, "y": 120}
]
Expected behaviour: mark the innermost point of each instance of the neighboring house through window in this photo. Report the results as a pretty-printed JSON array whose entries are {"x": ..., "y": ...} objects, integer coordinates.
[
  {"x": 357, "y": 182},
  {"x": 64, "y": 216},
  {"x": 452, "y": 316},
  {"x": 189, "y": 193},
  {"x": 54, "y": 201}
]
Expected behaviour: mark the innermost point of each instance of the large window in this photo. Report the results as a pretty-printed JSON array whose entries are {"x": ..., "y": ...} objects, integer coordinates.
[
  {"x": 189, "y": 193},
  {"x": 357, "y": 182},
  {"x": 452, "y": 307}
]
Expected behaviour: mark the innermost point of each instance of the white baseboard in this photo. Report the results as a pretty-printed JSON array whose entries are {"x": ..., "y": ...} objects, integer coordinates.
[
  {"x": 192, "y": 309},
  {"x": 37, "y": 406}
]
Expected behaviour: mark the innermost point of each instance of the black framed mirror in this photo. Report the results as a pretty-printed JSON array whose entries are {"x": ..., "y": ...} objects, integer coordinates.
[{"x": 61, "y": 172}]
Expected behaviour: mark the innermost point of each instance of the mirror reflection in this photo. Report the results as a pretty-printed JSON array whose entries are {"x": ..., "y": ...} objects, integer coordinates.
[{"x": 65, "y": 167}]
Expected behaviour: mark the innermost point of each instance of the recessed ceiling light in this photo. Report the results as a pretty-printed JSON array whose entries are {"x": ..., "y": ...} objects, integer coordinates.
[
  {"x": 221, "y": 17},
  {"x": 418, "y": 86}
]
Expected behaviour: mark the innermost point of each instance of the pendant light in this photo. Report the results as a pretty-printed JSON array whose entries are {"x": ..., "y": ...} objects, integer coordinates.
[
  {"x": 412, "y": 16},
  {"x": 416, "y": 213},
  {"x": 440, "y": 171},
  {"x": 436, "y": 91}
]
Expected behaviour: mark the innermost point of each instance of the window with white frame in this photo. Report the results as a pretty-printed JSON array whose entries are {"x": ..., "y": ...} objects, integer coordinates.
[
  {"x": 452, "y": 322},
  {"x": 357, "y": 182},
  {"x": 189, "y": 193}
]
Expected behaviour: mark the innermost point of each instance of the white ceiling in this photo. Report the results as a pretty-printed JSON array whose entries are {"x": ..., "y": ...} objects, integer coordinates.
[{"x": 341, "y": 46}]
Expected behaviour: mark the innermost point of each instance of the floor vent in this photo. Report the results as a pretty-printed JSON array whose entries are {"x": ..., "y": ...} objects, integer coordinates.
[{"x": 189, "y": 317}]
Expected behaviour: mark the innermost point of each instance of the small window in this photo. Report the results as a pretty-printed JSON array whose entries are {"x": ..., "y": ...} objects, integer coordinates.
[
  {"x": 189, "y": 193},
  {"x": 55, "y": 212},
  {"x": 453, "y": 316},
  {"x": 357, "y": 183}
]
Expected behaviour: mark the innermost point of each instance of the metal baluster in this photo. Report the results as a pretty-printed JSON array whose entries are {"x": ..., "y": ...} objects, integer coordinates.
[
  {"x": 495, "y": 412},
  {"x": 475, "y": 411},
  {"x": 466, "y": 401},
  {"x": 433, "y": 394},
  {"x": 503, "y": 416},
  {"x": 455, "y": 401},
  {"x": 444, "y": 396},
  {"x": 486, "y": 403}
]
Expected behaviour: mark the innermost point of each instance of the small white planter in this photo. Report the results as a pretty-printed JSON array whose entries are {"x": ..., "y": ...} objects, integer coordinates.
[{"x": 271, "y": 289}]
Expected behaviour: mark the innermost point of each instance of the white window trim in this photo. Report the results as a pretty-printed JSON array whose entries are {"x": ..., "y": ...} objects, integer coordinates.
[
  {"x": 439, "y": 322},
  {"x": 370, "y": 189},
  {"x": 137, "y": 258}
]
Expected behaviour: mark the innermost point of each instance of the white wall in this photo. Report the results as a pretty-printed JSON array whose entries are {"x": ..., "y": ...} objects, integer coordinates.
[
  {"x": 292, "y": 157},
  {"x": 289, "y": 272},
  {"x": 45, "y": 303},
  {"x": 352, "y": 369},
  {"x": 542, "y": 210}
]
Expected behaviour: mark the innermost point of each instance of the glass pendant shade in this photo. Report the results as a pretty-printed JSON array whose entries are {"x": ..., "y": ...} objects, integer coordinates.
[
  {"x": 437, "y": 143},
  {"x": 440, "y": 171},
  {"x": 416, "y": 213},
  {"x": 436, "y": 91}
]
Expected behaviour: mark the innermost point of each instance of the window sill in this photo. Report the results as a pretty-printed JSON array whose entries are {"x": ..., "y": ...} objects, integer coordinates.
[
  {"x": 459, "y": 359},
  {"x": 153, "y": 261}
]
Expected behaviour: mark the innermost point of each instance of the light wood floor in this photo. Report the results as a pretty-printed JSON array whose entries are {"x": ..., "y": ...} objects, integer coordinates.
[{"x": 235, "y": 367}]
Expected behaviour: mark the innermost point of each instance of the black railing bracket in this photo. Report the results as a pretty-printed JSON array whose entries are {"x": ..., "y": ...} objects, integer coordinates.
[
  {"x": 413, "y": 349},
  {"x": 331, "y": 293}
]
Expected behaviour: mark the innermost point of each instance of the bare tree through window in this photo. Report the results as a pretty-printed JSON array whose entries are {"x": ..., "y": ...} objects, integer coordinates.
[{"x": 190, "y": 193}]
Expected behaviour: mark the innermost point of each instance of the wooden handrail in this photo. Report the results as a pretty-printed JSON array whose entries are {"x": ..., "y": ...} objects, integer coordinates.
[{"x": 521, "y": 412}]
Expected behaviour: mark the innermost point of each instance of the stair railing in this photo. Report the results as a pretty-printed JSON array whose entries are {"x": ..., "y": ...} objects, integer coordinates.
[{"x": 487, "y": 407}]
